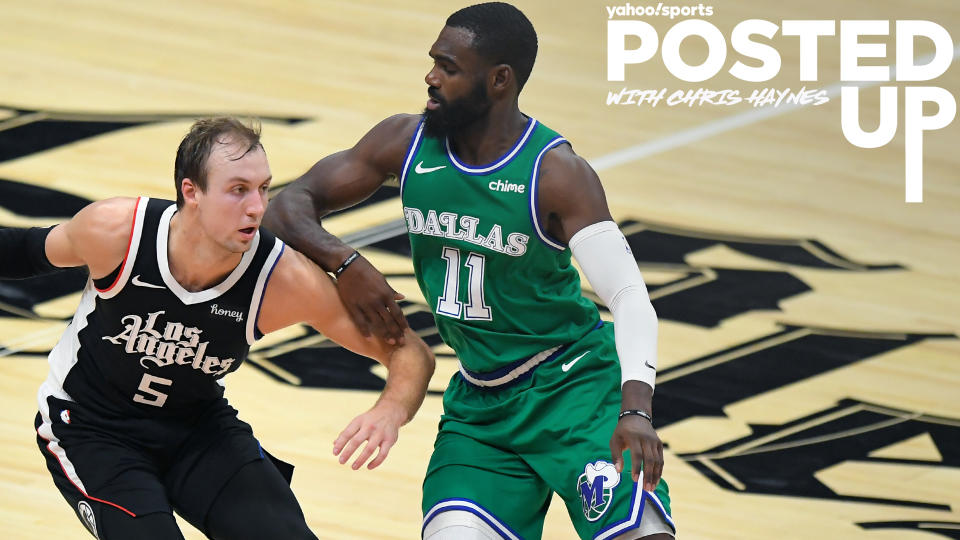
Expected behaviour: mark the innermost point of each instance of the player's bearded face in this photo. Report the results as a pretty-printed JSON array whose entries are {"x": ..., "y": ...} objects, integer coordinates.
[{"x": 456, "y": 114}]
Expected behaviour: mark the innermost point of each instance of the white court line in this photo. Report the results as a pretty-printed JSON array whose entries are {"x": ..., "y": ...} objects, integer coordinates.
[{"x": 716, "y": 127}]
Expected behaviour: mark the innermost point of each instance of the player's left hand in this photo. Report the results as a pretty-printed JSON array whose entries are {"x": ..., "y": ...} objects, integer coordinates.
[
  {"x": 637, "y": 434},
  {"x": 379, "y": 428}
]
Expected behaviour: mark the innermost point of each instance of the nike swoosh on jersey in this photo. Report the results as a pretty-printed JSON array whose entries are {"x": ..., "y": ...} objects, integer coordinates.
[
  {"x": 647, "y": 363},
  {"x": 566, "y": 367},
  {"x": 136, "y": 281},
  {"x": 420, "y": 169}
]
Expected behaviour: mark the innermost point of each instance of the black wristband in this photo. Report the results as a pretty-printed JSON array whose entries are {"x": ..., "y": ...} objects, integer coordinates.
[
  {"x": 636, "y": 412},
  {"x": 347, "y": 262},
  {"x": 24, "y": 253}
]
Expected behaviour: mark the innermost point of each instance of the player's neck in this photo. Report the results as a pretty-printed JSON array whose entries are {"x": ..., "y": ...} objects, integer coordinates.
[
  {"x": 491, "y": 137},
  {"x": 195, "y": 260}
]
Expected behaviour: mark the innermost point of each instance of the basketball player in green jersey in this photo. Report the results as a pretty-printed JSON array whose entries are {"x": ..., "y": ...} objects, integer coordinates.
[{"x": 548, "y": 398}]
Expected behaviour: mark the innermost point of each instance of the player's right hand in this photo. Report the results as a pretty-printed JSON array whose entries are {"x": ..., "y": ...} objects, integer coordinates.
[
  {"x": 371, "y": 302},
  {"x": 376, "y": 429},
  {"x": 637, "y": 435}
]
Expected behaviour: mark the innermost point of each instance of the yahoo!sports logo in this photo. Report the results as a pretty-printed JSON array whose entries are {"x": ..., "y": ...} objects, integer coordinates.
[{"x": 906, "y": 68}]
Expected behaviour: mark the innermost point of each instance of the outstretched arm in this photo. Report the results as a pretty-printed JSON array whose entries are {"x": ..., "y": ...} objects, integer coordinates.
[
  {"x": 339, "y": 181},
  {"x": 299, "y": 291},
  {"x": 409, "y": 367},
  {"x": 580, "y": 218},
  {"x": 95, "y": 237}
]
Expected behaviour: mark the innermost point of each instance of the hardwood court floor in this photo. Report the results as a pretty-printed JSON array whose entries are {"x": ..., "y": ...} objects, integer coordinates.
[{"x": 808, "y": 316}]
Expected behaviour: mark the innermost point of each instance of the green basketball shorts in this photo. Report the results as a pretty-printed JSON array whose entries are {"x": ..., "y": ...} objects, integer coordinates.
[{"x": 501, "y": 452}]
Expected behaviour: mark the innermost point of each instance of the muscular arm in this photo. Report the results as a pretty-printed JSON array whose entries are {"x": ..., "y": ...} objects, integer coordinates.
[
  {"x": 95, "y": 237},
  {"x": 339, "y": 181},
  {"x": 570, "y": 194},
  {"x": 572, "y": 201},
  {"x": 299, "y": 291}
]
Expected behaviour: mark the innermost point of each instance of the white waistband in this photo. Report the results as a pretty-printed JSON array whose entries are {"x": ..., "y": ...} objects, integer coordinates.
[{"x": 516, "y": 372}]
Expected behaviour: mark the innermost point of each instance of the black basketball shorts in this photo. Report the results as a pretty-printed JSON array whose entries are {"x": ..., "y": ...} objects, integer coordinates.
[{"x": 141, "y": 465}]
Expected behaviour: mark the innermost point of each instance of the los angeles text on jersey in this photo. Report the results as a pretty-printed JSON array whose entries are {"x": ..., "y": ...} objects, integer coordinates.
[
  {"x": 456, "y": 227},
  {"x": 177, "y": 344}
]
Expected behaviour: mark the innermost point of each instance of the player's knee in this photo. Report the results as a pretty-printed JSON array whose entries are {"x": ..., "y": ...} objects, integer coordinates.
[
  {"x": 267, "y": 529},
  {"x": 274, "y": 523},
  {"x": 287, "y": 516},
  {"x": 116, "y": 525},
  {"x": 295, "y": 530},
  {"x": 298, "y": 528},
  {"x": 271, "y": 518},
  {"x": 458, "y": 525}
]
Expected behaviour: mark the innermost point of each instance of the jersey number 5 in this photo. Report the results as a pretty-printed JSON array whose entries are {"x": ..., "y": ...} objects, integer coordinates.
[
  {"x": 449, "y": 303},
  {"x": 157, "y": 398}
]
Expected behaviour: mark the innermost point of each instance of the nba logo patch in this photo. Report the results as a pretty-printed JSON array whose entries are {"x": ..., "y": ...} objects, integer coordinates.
[
  {"x": 595, "y": 486},
  {"x": 65, "y": 416}
]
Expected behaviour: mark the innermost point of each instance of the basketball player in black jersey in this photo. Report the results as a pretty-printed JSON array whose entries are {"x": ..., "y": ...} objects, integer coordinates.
[{"x": 132, "y": 422}]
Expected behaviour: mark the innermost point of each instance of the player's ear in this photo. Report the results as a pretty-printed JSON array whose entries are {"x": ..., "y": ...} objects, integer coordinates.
[
  {"x": 189, "y": 191},
  {"x": 501, "y": 77}
]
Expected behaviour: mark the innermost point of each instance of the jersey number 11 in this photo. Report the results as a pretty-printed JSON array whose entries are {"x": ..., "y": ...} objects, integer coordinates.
[{"x": 449, "y": 303}]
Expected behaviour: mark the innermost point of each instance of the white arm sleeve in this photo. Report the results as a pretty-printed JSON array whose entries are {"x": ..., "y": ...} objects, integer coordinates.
[{"x": 609, "y": 266}]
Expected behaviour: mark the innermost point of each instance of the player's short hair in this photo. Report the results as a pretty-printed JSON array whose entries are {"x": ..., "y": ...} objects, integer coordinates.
[
  {"x": 197, "y": 144},
  {"x": 501, "y": 34}
]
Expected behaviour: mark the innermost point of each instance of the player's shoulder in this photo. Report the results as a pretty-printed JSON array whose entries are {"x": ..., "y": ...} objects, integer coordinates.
[
  {"x": 294, "y": 270},
  {"x": 288, "y": 265},
  {"x": 387, "y": 142},
  {"x": 99, "y": 235},
  {"x": 570, "y": 188},
  {"x": 108, "y": 219},
  {"x": 287, "y": 279},
  {"x": 399, "y": 125},
  {"x": 114, "y": 207},
  {"x": 296, "y": 291},
  {"x": 561, "y": 164}
]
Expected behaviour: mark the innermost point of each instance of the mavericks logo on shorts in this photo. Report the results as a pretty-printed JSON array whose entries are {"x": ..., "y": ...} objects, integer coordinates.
[{"x": 595, "y": 486}]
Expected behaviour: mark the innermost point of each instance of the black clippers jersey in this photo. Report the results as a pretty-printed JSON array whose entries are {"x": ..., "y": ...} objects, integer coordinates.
[{"x": 142, "y": 345}]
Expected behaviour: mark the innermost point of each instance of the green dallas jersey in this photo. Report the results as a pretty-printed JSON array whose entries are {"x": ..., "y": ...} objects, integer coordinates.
[{"x": 502, "y": 291}]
